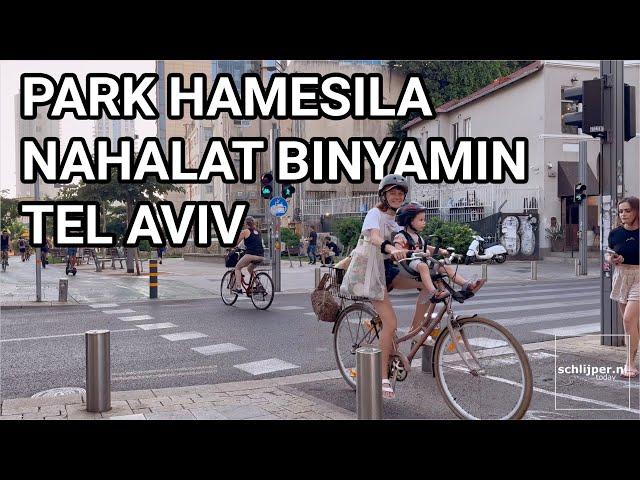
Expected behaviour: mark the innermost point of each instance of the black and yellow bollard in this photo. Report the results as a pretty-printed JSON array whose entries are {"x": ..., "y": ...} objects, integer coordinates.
[{"x": 153, "y": 278}]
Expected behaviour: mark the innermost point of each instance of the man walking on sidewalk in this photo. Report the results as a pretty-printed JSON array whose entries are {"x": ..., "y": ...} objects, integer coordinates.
[{"x": 311, "y": 250}]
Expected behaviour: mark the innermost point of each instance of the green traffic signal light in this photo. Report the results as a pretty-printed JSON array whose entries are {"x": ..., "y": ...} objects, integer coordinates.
[
  {"x": 267, "y": 185},
  {"x": 288, "y": 191},
  {"x": 580, "y": 192}
]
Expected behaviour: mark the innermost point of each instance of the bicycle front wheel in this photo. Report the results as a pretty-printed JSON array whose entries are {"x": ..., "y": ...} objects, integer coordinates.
[
  {"x": 262, "y": 291},
  {"x": 227, "y": 284},
  {"x": 357, "y": 326},
  {"x": 483, "y": 373}
]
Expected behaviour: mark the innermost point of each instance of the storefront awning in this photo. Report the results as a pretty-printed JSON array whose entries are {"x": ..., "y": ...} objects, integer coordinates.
[{"x": 568, "y": 177}]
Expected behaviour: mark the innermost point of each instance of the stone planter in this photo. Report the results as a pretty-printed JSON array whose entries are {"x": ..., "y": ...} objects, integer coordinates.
[{"x": 557, "y": 245}]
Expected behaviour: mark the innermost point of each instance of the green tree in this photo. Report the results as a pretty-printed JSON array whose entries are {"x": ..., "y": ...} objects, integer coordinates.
[
  {"x": 8, "y": 210},
  {"x": 114, "y": 191},
  {"x": 449, "y": 80},
  {"x": 454, "y": 234},
  {"x": 289, "y": 237},
  {"x": 348, "y": 231}
]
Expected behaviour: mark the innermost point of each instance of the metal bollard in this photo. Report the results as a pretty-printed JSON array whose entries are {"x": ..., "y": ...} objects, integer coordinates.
[
  {"x": 317, "y": 276},
  {"x": 98, "y": 365},
  {"x": 153, "y": 278},
  {"x": 577, "y": 267},
  {"x": 369, "y": 383},
  {"x": 427, "y": 357},
  {"x": 534, "y": 270},
  {"x": 484, "y": 271},
  {"x": 63, "y": 289}
]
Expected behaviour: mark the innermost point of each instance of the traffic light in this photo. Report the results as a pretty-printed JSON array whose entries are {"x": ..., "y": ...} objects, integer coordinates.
[
  {"x": 590, "y": 118},
  {"x": 580, "y": 193},
  {"x": 266, "y": 191},
  {"x": 629, "y": 112},
  {"x": 288, "y": 190}
]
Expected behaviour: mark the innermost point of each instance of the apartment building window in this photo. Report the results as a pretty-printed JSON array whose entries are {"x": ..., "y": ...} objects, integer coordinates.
[
  {"x": 454, "y": 132},
  {"x": 567, "y": 106},
  {"x": 466, "y": 127}
]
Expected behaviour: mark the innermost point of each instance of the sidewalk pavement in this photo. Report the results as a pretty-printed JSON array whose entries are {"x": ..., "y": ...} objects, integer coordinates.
[
  {"x": 269, "y": 399},
  {"x": 185, "y": 280}
]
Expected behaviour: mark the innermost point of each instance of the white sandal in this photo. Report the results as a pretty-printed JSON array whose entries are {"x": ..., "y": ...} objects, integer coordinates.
[{"x": 387, "y": 389}]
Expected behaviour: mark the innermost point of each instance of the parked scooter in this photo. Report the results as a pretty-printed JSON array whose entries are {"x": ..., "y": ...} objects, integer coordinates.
[{"x": 482, "y": 251}]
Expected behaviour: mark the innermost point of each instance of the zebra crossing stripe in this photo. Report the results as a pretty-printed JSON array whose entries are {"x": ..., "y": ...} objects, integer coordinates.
[
  {"x": 516, "y": 308},
  {"x": 174, "y": 337},
  {"x": 265, "y": 366},
  {"x": 156, "y": 326},
  {"x": 532, "y": 298},
  {"x": 136, "y": 318},
  {"x": 124, "y": 310},
  {"x": 103, "y": 305},
  {"x": 219, "y": 348},
  {"x": 571, "y": 331}
]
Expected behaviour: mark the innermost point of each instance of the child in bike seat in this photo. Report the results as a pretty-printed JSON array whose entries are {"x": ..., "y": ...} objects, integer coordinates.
[{"x": 411, "y": 216}]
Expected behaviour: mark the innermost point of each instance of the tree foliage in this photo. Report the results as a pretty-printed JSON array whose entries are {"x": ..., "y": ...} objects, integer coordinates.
[
  {"x": 454, "y": 234},
  {"x": 348, "y": 231},
  {"x": 452, "y": 79}
]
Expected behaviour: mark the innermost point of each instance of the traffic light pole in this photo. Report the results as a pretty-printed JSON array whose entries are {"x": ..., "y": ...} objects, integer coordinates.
[
  {"x": 582, "y": 212},
  {"x": 274, "y": 239},
  {"x": 612, "y": 149},
  {"x": 36, "y": 195}
]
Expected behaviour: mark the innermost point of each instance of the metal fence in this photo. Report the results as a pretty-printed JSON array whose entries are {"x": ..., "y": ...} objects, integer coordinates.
[{"x": 466, "y": 204}]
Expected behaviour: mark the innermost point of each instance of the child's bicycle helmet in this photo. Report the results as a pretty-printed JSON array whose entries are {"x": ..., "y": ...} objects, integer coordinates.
[{"x": 407, "y": 211}]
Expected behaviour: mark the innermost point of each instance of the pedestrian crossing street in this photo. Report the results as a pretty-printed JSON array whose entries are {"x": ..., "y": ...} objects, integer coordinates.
[{"x": 545, "y": 310}]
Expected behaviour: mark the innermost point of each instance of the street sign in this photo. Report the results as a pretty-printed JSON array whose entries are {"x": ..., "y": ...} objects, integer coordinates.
[{"x": 278, "y": 207}]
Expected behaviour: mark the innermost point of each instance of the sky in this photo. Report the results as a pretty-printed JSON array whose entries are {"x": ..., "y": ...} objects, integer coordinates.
[{"x": 10, "y": 72}]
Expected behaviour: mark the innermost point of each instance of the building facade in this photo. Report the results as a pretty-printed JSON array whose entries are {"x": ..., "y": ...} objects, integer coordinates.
[
  {"x": 40, "y": 128},
  {"x": 528, "y": 104},
  {"x": 315, "y": 196}
]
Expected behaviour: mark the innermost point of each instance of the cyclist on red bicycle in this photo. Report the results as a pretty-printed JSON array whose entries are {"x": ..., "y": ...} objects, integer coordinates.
[{"x": 254, "y": 251}]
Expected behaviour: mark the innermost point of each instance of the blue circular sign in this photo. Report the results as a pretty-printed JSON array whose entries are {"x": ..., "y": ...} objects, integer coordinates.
[{"x": 278, "y": 207}]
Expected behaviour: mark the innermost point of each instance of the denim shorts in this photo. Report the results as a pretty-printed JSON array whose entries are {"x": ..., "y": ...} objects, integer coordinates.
[{"x": 390, "y": 272}]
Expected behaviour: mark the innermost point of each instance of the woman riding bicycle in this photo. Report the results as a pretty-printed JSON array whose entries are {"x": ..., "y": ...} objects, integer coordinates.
[
  {"x": 392, "y": 191},
  {"x": 254, "y": 251}
]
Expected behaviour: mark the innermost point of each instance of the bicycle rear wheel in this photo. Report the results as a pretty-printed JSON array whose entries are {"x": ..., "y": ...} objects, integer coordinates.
[
  {"x": 357, "y": 326},
  {"x": 483, "y": 374},
  {"x": 227, "y": 284},
  {"x": 262, "y": 291}
]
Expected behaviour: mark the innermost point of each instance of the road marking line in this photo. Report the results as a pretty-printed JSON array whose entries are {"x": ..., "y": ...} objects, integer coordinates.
[
  {"x": 124, "y": 310},
  {"x": 156, "y": 326},
  {"x": 174, "y": 337},
  {"x": 103, "y": 305},
  {"x": 289, "y": 307},
  {"x": 135, "y": 318},
  {"x": 60, "y": 336},
  {"x": 571, "y": 331},
  {"x": 265, "y": 366},
  {"x": 487, "y": 342},
  {"x": 219, "y": 348},
  {"x": 561, "y": 395}
]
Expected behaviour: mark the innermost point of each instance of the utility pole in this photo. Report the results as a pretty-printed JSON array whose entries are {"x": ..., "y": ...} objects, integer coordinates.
[
  {"x": 612, "y": 153},
  {"x": 583, "y": 209},
  {"x": 36, "y": 193}
]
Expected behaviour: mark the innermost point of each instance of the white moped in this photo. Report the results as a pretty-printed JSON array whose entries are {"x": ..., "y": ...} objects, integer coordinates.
[{"x": 481, "y": 251}]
